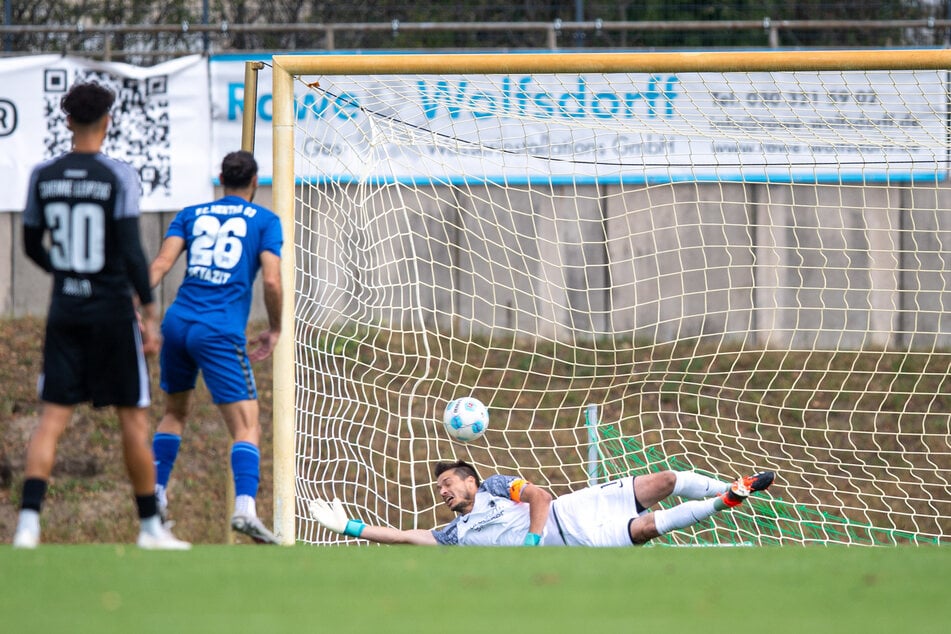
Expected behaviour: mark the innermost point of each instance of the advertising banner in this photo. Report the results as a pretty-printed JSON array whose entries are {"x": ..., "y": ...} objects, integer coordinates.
[
  {"x": 159, "y": 124},
  {"x": 776, "y": 127}
]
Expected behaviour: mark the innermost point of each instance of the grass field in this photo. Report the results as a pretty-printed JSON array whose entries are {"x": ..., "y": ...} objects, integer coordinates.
[
  {"x": 117, "y": 588},
  {"x": 88, "y": 499}
]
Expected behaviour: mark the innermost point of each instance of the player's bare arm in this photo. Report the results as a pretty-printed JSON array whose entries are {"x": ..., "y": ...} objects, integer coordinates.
[
  {"x": 333, "y": 517},
  {"x": 539, "y": 504},
  {"x": 171, "y": 248},
  {"x": 149, "y": 325},
  {"x": 263, "y": 344},
  {"x": 387, "y": 535}
]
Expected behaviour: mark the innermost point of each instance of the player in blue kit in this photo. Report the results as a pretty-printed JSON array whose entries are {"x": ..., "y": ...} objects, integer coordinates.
[
  {"x": 227, "y": 242},
  {"x": 511, "y": 511},
  {"x": 87, "y": 205}
]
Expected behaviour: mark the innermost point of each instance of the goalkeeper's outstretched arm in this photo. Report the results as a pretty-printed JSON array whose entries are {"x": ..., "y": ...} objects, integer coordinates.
[{"x": 332, "y": 516}]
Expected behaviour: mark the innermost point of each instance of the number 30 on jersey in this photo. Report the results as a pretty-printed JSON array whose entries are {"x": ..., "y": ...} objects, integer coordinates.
[{"x": 77, "y": 236}]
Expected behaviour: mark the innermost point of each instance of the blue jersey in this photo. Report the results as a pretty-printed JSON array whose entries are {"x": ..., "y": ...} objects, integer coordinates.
[{"x": 224, "y": 240}]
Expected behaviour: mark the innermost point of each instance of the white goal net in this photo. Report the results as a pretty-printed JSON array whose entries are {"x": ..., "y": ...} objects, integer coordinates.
[{"x": 721, "y": 271}]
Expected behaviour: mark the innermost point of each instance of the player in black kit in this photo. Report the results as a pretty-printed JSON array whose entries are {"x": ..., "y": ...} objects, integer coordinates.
[{"x": 95, "y": 347}]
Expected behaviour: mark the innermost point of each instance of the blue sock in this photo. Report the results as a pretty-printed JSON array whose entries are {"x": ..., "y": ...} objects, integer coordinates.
[
  {"x": 165, "y": 448},
  {"x": 246, "y": 466}
]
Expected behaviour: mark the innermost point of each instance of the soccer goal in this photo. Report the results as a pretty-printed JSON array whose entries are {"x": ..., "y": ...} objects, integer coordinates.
[{"x": 721, "y": 262}]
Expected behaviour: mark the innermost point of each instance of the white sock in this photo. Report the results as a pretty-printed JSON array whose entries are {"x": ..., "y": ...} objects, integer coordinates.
[
  {"x": 161, "y": 496},
  {"x": 29, "y": 520},
  {"x": 244, "y": 505},
  {"x": 151, "y": 525},
  {"x": 684, "y": 515},
  {"x": 695, "y": 486}
]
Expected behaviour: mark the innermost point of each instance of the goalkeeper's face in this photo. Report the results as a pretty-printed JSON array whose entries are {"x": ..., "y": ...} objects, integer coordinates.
[{"x": 458, "y": 493}]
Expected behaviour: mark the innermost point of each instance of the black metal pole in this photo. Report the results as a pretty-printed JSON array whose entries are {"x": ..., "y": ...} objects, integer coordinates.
[
  {"x": 8, "y": 21},
  {"x": 204, "y": 21},
  {"x": 579, "y": 17},
  {"x": 947, "y": 31}
]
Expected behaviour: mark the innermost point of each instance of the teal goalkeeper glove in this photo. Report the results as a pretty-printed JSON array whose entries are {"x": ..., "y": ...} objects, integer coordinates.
[
  {"x": 532, "y": 539},
  {"x": 331, "y": 516}
]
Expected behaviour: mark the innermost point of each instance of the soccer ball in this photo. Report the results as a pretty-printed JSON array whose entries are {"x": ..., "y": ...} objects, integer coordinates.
[{"x": 466, "y": 419}]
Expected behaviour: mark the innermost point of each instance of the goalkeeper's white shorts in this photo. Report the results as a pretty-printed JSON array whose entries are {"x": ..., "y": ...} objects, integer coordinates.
[{"x": 595, "y": 516}]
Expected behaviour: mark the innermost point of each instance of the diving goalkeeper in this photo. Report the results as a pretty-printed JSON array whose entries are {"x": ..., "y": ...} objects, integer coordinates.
[{"x": 511, "y": 511}]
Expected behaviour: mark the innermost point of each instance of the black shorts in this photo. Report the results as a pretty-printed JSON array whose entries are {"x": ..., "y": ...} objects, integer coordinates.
[{"x": 100, "y": 362}]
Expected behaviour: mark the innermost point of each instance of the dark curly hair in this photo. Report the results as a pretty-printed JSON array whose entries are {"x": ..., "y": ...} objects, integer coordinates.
[
  {"x": 237, "y": 169},
  {"x": 459, "y": 467},
  {"x": 87, "y": 102}
]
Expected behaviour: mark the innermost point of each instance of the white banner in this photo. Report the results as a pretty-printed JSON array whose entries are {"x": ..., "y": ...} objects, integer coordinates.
[
  {"x": 160, "y": 124},
  {"x": 517, "y": 128},
  {"x": 776, "y": 127}
]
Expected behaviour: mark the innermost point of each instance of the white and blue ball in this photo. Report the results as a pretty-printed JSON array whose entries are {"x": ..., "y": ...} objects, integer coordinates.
[{"x": 466, "y": 419}]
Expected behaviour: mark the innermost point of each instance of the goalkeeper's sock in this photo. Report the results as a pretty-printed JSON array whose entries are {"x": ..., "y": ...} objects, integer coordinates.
[
  {"x": 695, "y": 486},
  {"x": 686, "y": 514},
  {"x": 246, "y": 466},
  {"x": 165, "y": 447}
]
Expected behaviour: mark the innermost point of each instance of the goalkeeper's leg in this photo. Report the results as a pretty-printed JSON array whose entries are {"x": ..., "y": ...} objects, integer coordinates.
[
  {"x": 651, "y": 488},
  {"x": 647, "y": 527}
]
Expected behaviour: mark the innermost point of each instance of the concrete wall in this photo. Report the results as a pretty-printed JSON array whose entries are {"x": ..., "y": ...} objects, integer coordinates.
[
  {"x": 836, "y": 267},
  {"x": 779, "y": 265}
]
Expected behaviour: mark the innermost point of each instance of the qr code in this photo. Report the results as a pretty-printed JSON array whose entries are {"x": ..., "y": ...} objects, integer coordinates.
[{"x": 140, "y": 131}]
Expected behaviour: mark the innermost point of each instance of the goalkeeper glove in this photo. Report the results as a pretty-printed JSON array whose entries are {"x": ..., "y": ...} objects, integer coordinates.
[
  {"x": 331, "y": 516},
  {"x": 532, "y": 539}
]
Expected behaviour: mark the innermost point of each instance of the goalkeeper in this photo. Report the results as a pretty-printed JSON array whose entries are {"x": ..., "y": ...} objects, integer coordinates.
[{"x": 511, "y": 511}]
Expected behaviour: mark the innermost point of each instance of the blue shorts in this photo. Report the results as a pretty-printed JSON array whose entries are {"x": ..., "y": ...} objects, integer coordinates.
[{"x": 190, "y": 346}]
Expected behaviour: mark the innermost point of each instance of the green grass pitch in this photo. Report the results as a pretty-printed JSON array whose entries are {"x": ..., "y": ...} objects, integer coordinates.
[{"x": 234, "y": 589}]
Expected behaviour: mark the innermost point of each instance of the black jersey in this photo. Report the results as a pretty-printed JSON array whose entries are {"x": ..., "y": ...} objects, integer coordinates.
[{"x": 89, "y": 206}]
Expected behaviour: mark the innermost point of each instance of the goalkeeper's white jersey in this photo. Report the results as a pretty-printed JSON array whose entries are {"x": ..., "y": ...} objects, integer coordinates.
[
  {"x": 497, "y": 517},
  {"x": 594, "y": 516}
]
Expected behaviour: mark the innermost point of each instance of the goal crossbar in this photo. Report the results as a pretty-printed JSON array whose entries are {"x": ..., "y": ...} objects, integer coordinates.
[{"x": 920, "y": 59}]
